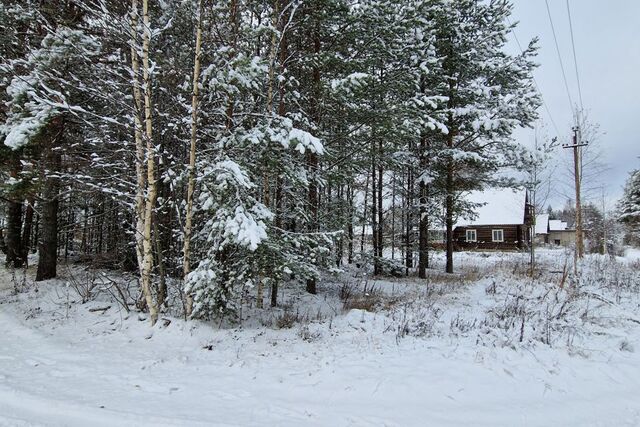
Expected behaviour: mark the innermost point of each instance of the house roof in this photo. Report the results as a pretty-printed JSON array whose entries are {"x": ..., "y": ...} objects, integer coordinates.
[
  {"x": 542, "y": 224},
  {"x": 557, "y": 225},
  {"x": 501, "y": 206}
]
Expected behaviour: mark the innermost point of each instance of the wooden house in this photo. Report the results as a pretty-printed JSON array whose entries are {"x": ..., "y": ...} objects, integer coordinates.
[{"x": 503, "y": 222}]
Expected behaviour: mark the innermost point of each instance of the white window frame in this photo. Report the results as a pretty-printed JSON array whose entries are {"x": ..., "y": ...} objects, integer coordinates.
[
  {"x": 475, "y": 235},
  {"x": 493, "y": 235}
]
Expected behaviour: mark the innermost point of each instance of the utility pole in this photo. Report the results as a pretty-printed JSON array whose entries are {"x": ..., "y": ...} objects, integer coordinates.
[
  {"x": 604, "y": 225},
  {"x": 532, "y": 230},
  {"x": 576, "y": 171}
]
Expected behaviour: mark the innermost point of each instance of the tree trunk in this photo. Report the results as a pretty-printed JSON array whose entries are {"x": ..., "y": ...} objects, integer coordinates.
[
  {"x": 138, "y": 131},
  {"x": 449, "y": 217},
  {"x": 162, "y": 286},
  {"x": 48, "y": 244},
  {"x": 423, "y": 241},
  {"x": 312, "y": 166},
  {"x": 3, "y": 244},
  {"x": 409, "y": 222},
  {"x": 26, "y": 230},
  {"x": 380, "y": 210},
  {"x": 186, "y": 249},
  {"x": 36, "y": 235},
  {"x": 364, "y": 214},
  {"x": 350, "y": 233},
  {"x": 151, "y": 186},
  {"x": 393, "y": 216},
  {"x": 374, "y": 213},
  {"x": 13, "y": 238},
  {"x": 312, "y": 158},
  {"x": 278, "y": 224}
]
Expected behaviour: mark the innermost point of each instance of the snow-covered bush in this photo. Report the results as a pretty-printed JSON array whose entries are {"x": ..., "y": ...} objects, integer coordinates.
[{"x": 235, "y": 227}]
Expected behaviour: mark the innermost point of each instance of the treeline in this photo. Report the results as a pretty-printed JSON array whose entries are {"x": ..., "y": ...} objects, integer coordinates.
[{"x": 231, "y": 145}]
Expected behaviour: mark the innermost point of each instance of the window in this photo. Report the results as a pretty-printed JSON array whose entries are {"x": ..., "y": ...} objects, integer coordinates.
[
  {"x": 497, "y": 235},
  {"x": 472, "y": 236}
]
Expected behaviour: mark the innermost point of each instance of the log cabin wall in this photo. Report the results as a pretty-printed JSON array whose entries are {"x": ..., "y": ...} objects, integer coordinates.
[{"x": 515, "y": 237}]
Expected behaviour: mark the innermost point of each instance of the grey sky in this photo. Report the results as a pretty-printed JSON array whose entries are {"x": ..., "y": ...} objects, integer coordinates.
[{"x": 607, "y": 37}]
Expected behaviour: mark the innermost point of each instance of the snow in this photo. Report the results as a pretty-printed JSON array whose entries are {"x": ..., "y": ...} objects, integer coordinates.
[
  {"x": 557, "y": 225},
  {"x": 227, "y": 170},
  {"x": 18, "y": 131},
  {"x": 442, "y": 356},
  {"x": 542, "y": 223},
  {"x": 500, "y": 206},
  {"x": 632, "y": 254},
  {"x": 245, "y": 229}
]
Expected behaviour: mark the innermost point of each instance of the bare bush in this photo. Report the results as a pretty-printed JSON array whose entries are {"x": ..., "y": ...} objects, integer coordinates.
[
  {"x": 369, "y": 299},
  {"x": 306, "y": 334},
  {"x": 289, "y": 318},
  {"x": 84, "y": 284}
]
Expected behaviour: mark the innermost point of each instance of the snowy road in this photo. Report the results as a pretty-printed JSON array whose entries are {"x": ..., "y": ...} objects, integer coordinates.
[
  {"x": 66, "y": 366},
  {"x": 123, "y": 379}
]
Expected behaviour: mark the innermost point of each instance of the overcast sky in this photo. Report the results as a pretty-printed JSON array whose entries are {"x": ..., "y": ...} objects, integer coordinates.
[{"x": 607, "y": 39}]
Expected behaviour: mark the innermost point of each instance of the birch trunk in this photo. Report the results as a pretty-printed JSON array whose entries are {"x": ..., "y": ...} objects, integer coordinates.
[
  {"x": 26, "y": 231},
  {"x": 151, "y": 189},
  {"x": 186, "y": 250},
  {"x": 140, "y": 154}
]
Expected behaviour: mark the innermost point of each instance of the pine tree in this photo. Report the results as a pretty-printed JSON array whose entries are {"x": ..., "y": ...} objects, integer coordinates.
[
  {"x": 629, "y": 205},
  {"x": 489, "y": 93},
  {"x": 40, "y": 104}
]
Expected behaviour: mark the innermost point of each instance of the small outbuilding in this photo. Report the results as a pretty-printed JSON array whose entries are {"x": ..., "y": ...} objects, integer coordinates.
[
  {"x": 554, "y": 231},
  {"x": 560, "y": 234}
]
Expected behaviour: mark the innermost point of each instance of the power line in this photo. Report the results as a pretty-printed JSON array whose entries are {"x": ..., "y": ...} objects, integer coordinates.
[
  {"x": 575, "y": 61},
  {"x": 535, "y": 83},
  {"x": 564, "y": 75}
]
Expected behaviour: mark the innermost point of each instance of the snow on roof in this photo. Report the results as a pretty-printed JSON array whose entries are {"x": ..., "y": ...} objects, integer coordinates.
[
  {"x": 557, "y": 225},
  {"x": 502, "y": 206},
  {"x": 542, "y": 222}
]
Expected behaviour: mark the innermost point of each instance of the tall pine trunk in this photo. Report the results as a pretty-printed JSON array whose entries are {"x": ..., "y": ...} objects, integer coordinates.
[
  {"x": 48, "y": 243},
  {"x": 409, "y": 222},
  {"x": 312, "y": 166},
  {"x": 379, "y": 200},
  {"x": 449, "y": 216},
  {"x": 312, "y": 158},
  {"x": 13, "y": 240},
  {"x": 351, "y": 219},
  {"x": 423, "y": 240},
  {"x": 374, "y": 212}
]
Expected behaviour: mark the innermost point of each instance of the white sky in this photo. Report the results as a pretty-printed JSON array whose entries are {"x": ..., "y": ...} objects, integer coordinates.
[{"x": 607, "y": 38}]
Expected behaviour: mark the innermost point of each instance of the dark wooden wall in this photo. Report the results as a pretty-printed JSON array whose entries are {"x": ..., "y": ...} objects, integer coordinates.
[{"x": 515, "y": 237}]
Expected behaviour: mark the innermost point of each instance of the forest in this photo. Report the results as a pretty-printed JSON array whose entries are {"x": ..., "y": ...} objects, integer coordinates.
[
  {"x": 216, "y": 149},
  {"x": 268, "y": 212}
]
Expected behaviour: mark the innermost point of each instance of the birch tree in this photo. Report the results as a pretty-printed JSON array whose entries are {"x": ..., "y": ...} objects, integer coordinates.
[
  {"x": 145, "y": 149},
  {"x": 186, "y": 251}
]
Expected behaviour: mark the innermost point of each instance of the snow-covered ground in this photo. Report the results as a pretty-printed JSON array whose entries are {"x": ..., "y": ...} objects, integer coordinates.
[{"x": 487, "y": 347}]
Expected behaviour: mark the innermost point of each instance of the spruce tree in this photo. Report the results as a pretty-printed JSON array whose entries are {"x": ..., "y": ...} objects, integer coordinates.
[{"x": 629, "y": 205}]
